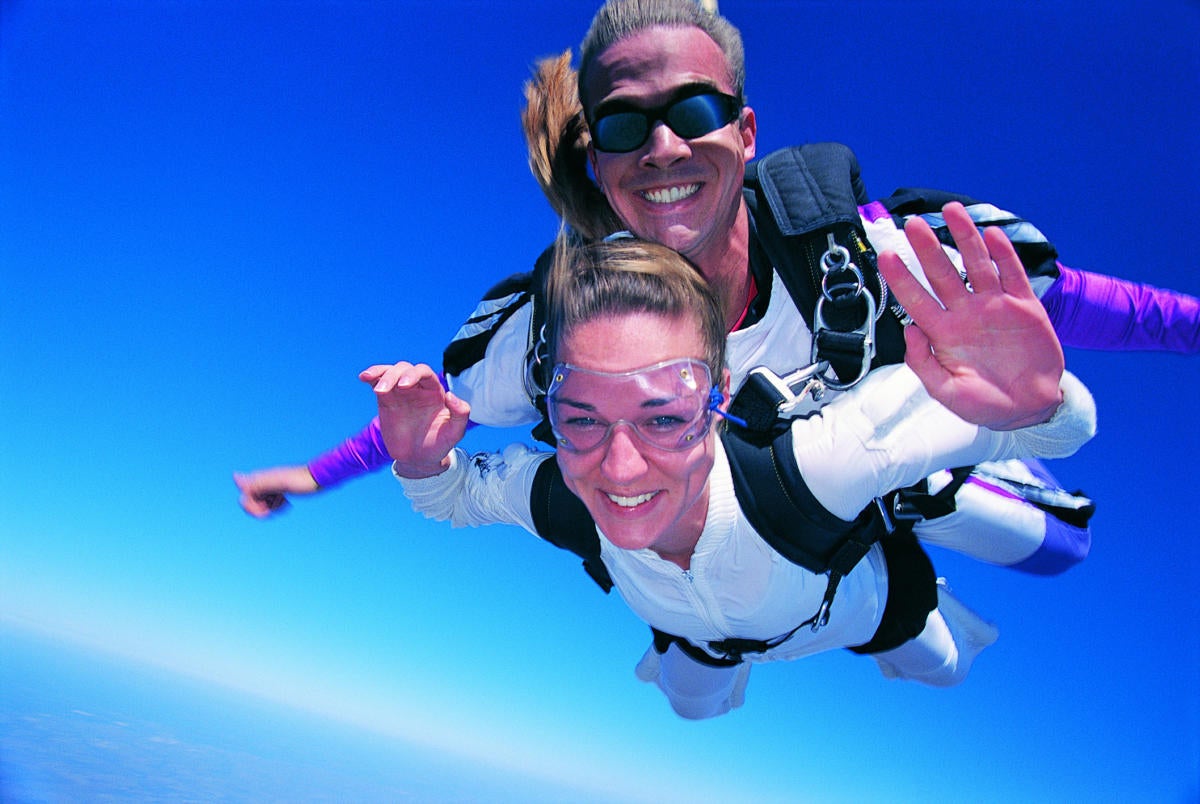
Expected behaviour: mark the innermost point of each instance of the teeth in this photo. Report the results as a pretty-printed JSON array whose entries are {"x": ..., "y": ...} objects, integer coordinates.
[
  {"x": 631, "y": 502},
  {"x": 671, "y": 194}
]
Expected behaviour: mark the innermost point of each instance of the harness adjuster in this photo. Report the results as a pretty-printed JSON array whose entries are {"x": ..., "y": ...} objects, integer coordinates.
[{"x": 842, "y": 284}]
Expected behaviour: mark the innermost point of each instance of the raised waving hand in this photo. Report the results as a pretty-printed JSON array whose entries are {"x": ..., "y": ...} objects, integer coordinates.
[
  {"x": 419, "y": 419},
  {"x": 987, "y": 352}
]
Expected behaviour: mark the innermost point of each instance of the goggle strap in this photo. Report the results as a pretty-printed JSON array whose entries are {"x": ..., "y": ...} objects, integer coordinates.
[{"x": 715, "y": 398}]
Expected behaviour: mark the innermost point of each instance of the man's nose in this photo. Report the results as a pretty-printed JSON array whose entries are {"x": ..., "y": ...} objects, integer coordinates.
[{"x": 664, "y": 147}]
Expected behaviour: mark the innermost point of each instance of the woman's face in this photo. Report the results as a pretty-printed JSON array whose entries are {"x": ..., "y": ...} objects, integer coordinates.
[{"x": 640, "y": 495}]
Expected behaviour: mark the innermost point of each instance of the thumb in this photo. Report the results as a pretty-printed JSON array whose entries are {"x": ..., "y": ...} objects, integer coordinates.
[
  {"x": 920, "y": 358},
  {"x": 459, "y": 408}
]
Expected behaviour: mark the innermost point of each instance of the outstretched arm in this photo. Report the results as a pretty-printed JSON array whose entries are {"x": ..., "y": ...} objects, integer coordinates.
[
  {"x": 420, "y": 421},
  {"x": 1094, "y": 311},
  {"x": 988, "y": 352},
  {"x": 359, "y": 454},
  {"x": 266, "y": 491}
]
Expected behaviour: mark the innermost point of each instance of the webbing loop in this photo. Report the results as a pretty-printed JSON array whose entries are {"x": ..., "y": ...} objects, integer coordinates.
[{"x": 842, "y": 285}]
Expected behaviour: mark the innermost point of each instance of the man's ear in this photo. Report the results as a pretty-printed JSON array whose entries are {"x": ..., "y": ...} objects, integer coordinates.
[
  {"x": 726, "y": 380},
  {"x": 748, "y": 126},
  {"x": 591, "y": 153}
]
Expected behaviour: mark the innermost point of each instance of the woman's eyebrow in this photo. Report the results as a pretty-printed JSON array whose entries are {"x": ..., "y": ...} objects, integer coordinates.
[
  {"x": 657, "y": 402},
  {"x": 575, "y": 403}
]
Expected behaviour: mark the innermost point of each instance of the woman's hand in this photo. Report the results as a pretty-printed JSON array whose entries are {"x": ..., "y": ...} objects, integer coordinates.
[{"x": 419, "y": 419}]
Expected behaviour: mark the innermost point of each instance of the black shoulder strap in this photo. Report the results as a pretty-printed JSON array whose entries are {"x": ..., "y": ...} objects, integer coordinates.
[
  {"x": 770, "y": 491},
  {"x": 778, "y": 503},
  {"x": 808, "y": 187},
  {"x": 497, "y": 306},
  {"x": 562, "y": 519},
  {"x": 536, "y": 360},
  {"x": 774, "y": 498},
  {"x": 798, "y": 198}
]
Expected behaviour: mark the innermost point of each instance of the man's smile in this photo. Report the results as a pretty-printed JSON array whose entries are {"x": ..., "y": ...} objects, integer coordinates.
[{"x": 669, "y": 195}]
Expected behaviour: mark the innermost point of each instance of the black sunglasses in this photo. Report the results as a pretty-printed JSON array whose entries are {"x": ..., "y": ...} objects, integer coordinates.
[{"x": 624, "y": 130}]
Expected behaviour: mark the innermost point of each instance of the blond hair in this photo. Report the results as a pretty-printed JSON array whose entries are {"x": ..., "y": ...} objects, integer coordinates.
[
  {"x": 557, "y": 137},
  {"x": 618, "y": 19},
  {"x": 624, "y": 276}
]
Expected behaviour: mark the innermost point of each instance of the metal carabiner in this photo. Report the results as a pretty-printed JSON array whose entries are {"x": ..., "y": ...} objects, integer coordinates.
[
  {"x": 534, "y": 361},
  {"x": 821, "y": 618},
  {"x": 835, "y": 261},
  {"x": 866, "y": 329}
]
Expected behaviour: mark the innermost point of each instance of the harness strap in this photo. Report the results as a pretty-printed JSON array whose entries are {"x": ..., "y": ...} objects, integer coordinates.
[
  {"x": 804, "y": 211},
  {"x": 916, "y": 503},
  {"x": 779, "y": 505},
  {"x": 912, "y": 595},
  {"x": 562, "y": 519}
]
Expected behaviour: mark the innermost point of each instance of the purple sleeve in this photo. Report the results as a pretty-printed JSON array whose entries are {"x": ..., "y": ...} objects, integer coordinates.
[
  {"x": 1094, "y": 311},
  {"x": 359, "y": 454}
]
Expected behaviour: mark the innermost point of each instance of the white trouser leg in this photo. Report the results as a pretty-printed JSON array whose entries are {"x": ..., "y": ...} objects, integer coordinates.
[
  {"x": 942, "y": 654},
  {"x": 987, "y": 525},
  {"x": 695, "y": 691}
]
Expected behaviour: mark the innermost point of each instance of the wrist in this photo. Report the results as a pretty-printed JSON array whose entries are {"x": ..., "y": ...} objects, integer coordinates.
[{"x": 419, "y": 471}]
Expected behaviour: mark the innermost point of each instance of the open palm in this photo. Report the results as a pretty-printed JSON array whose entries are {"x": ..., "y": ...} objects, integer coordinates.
[{"x": 987, "y": 352}]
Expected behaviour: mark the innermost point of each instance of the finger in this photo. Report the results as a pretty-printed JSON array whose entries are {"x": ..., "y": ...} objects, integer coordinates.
[
  {"x": 405, "y": 378},
  {"x": 1010, "y": 270},
  {"x": 392, "y": 377},
  {"x": 254, "y": 508},
  {"x": 372, "y": 374},
  {"x": 253, "y": 484},
  {"x": 460, "y": 413},
  {"x": 977, "y": 261},
  {"x": 935, "y": 264},
  {"x": 262, "y": 506},
  {"x": 424, "y": 378},
  {"x": 908, "y": 290}
]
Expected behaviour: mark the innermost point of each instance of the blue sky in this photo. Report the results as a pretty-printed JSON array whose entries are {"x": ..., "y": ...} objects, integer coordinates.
[{"x": 213, "y": 214}]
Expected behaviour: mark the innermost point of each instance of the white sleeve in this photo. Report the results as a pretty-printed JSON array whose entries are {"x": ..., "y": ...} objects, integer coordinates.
[
  {"x": 884, "y": 235},
  {"x": 888, "y": 433},
  {"x": 494, "y": 387},
  {"x": 483, "y": 489}
]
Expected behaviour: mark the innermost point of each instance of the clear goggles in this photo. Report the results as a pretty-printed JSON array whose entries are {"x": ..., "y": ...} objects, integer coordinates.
[
  {"x": 669, "y": 405},
  {"x": 626, "y": 129}
]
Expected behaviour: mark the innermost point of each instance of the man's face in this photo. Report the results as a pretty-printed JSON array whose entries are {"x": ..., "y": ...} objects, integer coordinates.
[{"x": 682, "y": 193}]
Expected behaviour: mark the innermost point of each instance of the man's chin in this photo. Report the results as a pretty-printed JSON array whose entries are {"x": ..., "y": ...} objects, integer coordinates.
[{"x": 682, "y": 238}]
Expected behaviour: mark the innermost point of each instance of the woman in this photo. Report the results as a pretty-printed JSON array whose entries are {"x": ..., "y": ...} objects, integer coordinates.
[
  {"x": 1088, "y": 310},
  {"x": 637, "y": 341}
]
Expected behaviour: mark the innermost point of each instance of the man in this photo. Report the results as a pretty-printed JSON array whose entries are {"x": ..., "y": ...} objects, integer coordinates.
[{"x": 642, "y": 62}]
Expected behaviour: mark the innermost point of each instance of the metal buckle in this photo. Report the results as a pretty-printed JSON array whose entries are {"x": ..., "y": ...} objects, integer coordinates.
[
  {"x": 535, "y": 357},
  {"x": 821, "y": 618},
  {"x": 866, "y": 330},
  {"x": 834, "y": 263}
]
